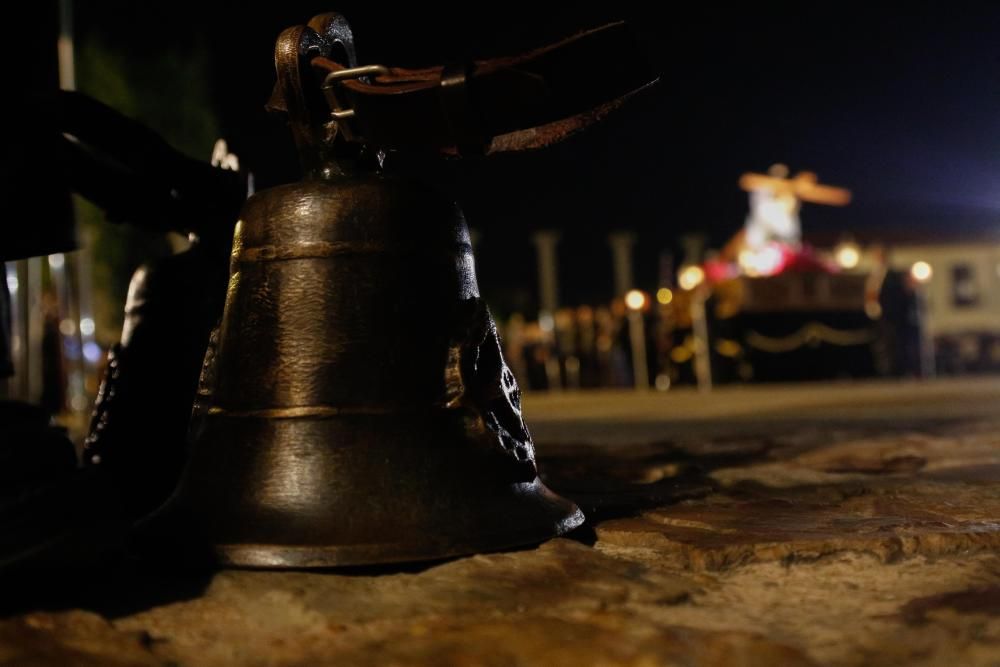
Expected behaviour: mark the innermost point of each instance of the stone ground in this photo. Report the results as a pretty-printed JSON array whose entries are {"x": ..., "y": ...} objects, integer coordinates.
[{"x": 839, "y": 525}]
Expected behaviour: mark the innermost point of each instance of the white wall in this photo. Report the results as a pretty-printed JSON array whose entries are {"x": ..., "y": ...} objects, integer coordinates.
[{"x": 944, "y": 316}]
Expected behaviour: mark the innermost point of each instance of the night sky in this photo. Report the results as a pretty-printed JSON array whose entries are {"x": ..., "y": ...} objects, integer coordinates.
[{"x": 900, "y": 105}]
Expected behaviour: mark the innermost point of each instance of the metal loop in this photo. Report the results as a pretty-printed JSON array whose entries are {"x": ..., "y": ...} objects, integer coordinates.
[
  {"x": 354, "y": 73},
  {"x": 338, "y": 110}
]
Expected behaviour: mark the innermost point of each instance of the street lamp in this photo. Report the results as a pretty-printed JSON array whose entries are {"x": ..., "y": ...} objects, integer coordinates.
[
  {"x": 690, "y": 277},
  {"x": 635, "y": 301},
  {"x": 922, "y": 272},
  {"x": 847, "y": 254}
]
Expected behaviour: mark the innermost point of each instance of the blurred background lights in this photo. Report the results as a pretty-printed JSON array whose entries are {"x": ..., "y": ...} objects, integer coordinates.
[
  {"x": 635, "y": 299},
  {"x": 664, "y": 295},
  {"x": 764, "y": 261},
  {"x": 848, "y": 255},
  {"x": 57, "y": 261},
  {"x": 921, "y": 271},
  {"x": 690, "y": 277},
  {"x": 87, "y": 326},
  {"x": 92, "y": 352}
]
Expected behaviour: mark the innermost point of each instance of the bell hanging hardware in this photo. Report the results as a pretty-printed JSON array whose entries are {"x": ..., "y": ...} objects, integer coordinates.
[{"x": 338, "y": 111}]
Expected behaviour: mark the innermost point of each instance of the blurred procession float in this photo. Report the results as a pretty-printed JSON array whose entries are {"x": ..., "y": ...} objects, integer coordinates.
[{"x": 768, "y": 306}]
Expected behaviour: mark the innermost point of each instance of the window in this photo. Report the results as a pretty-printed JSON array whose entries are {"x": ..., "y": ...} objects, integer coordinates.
[{"x": 964, "y": 287}]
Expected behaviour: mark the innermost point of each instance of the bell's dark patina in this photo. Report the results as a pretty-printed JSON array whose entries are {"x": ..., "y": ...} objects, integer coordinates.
[{"x": 355, "y": 406}]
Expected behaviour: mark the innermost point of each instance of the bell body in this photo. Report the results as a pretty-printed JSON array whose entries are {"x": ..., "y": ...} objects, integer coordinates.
[{"x": 354, "y": 405}]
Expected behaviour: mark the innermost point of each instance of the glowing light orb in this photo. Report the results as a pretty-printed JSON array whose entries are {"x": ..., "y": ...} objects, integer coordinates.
[
  {"x": 921, "y": 271},
  {"x": 847, "y": 255},
  {"x": 765, "y": 261},
  {"x": 92, "y": 352},
  {"x": 635, "y": 299},
  {"x": 690, "y": 277}
]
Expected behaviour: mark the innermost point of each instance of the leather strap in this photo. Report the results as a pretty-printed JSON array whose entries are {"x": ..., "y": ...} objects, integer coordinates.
[{"x": 501, "y": 104}]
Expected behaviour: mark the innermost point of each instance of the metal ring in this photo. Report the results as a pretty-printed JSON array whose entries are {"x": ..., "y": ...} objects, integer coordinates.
[
  {"x": 339, "y": 111},
  {"x": 354, "y": 73}
]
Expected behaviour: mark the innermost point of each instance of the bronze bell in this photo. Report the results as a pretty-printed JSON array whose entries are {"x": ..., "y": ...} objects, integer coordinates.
[{"x": 354, "y": 405}]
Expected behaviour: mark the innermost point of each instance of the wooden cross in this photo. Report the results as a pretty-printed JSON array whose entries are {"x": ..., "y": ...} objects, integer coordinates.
[{"x": 802, "y": 186}]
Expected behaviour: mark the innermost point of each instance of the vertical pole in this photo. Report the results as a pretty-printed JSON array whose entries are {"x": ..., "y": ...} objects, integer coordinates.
[
  {"x": 65, "y": 304},
  {"x": 548, "y": 296},
  {"x": 32, "y": 300},
  {"x": 69, "y": 327},
  {"x": 926, "y": 340},
  {"x": 9, "y": 386},
  {"x": 548, "y": 277},
  {"x": 637, "y": 336},
  {"x": 67, "y": 68},
  {"x": 624, "y": 280},
  {"x": 78, "y": 304},
  {"x": 19, "y": 327},
  {"x": 702, "y": 350},
  {"x": 694, "y": 248},
  {"x": 621, "y": 260}
]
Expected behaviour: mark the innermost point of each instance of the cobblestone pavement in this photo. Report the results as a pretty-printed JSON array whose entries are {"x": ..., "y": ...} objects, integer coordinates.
[{"x": 842, "y": 525}]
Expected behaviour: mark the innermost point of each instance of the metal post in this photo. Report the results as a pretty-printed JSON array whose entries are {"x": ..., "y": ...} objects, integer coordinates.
[
  {"x": 79, "y": 302},
  {"x": 548, "y": 297},
  {"x": 621, "y": 258},
  {"x": 702, "y": 350},
  {"x": 29, "y": 276},
  {"x": 637, "y": 336},
  {"x": 548, "y": 276},
  {"x": 927, "y": 363},
  {"x": 67, "y": 67},
  {"x": 9, "y": 386}
]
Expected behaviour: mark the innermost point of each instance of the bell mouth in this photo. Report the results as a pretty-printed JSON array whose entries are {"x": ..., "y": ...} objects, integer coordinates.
[
  {"x": 363, "y": 489},
  {"x": 530, "y": 514},
  {"x": 520, "y": 515},
  {"x": 354, "y": 407}
]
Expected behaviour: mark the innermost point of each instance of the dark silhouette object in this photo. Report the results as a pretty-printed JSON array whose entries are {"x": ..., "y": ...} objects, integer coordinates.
[
  {"x": 899, "y": 326},
  {"x": 144, "y": 404},
  {"x": 141, "y": 415},
  {"x": 135, "y": 450}
]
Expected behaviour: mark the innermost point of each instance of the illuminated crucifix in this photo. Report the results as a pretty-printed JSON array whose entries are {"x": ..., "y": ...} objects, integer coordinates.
[{"x": 775, "y": 200}]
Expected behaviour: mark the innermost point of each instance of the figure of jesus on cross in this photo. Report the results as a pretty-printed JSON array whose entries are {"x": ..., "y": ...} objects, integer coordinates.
[{"x": 775, "y": 200}]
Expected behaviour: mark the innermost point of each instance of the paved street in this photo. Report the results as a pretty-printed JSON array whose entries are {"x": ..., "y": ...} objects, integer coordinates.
[
  {"x": 606, "y": 417},
  {"x": 758, "y": 526}
]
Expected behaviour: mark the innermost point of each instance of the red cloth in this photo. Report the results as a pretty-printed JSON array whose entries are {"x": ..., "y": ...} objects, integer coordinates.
[{"x": 802, "y": 260}]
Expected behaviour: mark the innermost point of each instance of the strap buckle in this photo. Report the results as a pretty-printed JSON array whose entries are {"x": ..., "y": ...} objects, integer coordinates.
[{"x": 341, "y": 113}]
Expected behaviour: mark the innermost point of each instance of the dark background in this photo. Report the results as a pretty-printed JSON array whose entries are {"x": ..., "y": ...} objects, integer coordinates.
[{"x": 900, "y": 104}]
